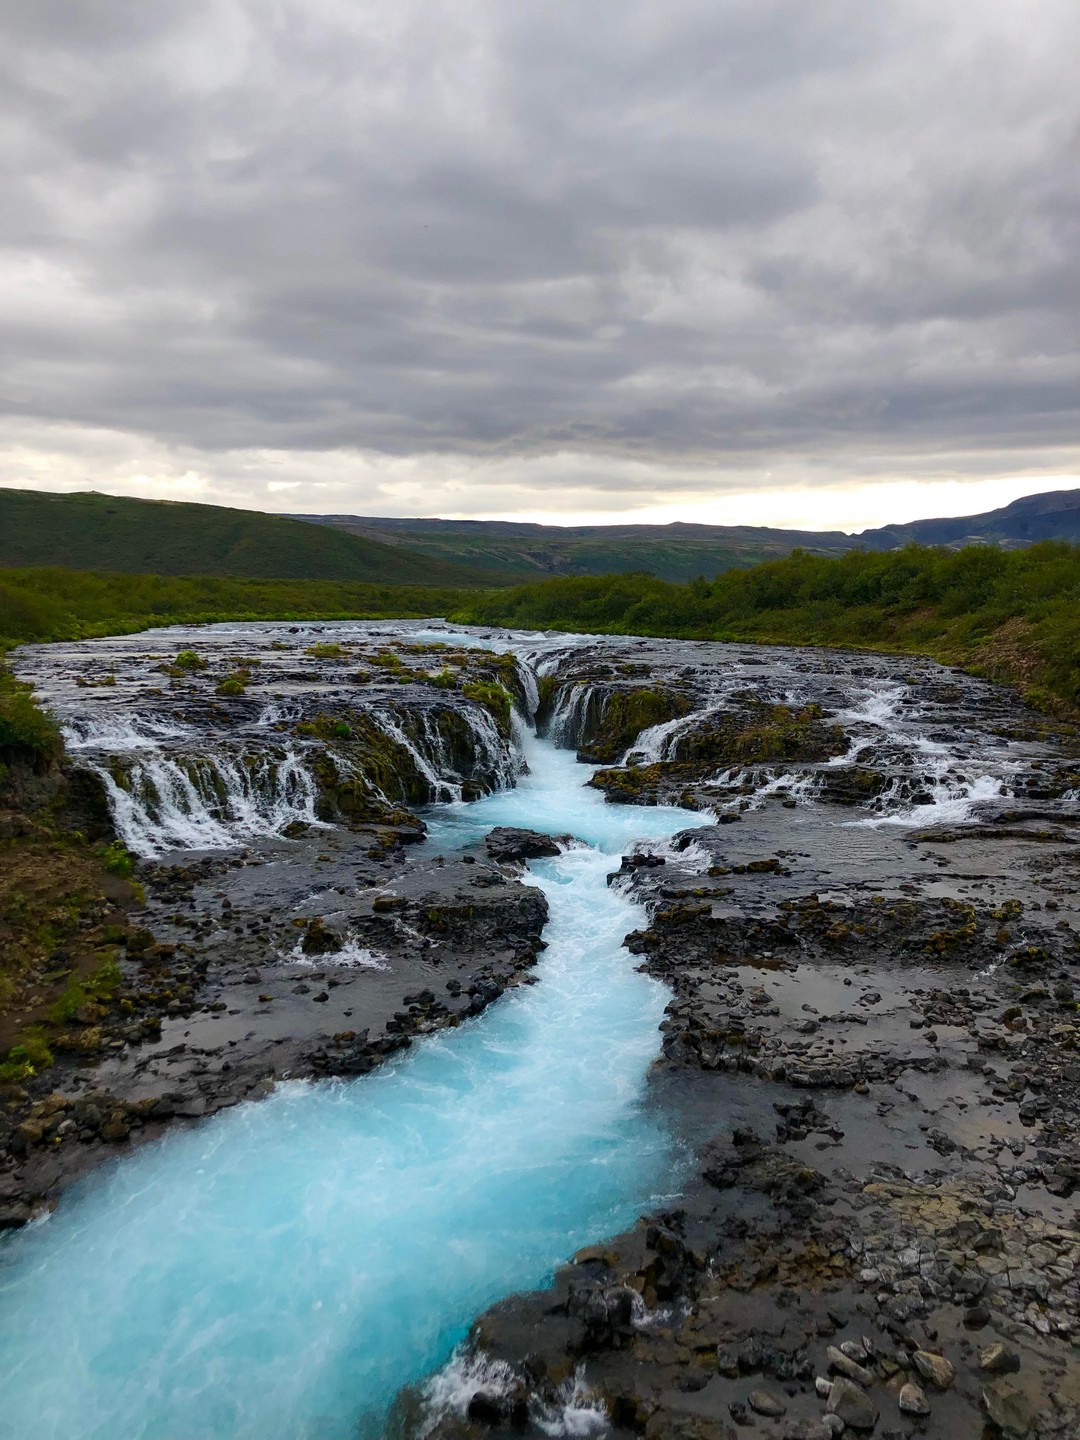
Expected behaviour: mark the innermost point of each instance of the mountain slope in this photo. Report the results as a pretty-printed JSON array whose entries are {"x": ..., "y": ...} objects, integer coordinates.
[
  {"x": 88, "y": 531},
  {"x": 531, "y": 552},
  {"x": 679, "y": 551},
  {"x": 1051, "y": 516}
]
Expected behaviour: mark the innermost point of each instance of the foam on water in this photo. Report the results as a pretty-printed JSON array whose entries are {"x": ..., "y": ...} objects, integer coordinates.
[
  {"x": 209, "y": 803},
  {"x": 283, "y": 1269},
  {"x": 951, "y": 802}
]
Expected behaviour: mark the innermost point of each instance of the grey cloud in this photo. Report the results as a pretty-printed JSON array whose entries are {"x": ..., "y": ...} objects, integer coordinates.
[{"x": 693, "y": 232}]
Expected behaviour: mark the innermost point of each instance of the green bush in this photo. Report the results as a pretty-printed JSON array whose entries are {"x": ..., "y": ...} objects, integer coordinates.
[
  {"x": 26, "y": 731},
  {"x": 1014, "y": 614},
  {"x": 231, "y": 685},
  {"x": 25, "y": 1060},
  {"x": 117, "y": 860},
  {"x": 189, "y": 660}
]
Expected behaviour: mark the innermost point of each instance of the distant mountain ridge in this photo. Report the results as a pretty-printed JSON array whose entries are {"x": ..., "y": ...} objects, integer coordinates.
[
  {"x": 88, "y": 531},
  {"x": 681, "y": 550},
  {"x": 1054, "y": 515}
]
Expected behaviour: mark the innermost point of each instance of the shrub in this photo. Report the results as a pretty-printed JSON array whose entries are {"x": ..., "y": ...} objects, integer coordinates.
[
  {"x": 117, "y": 860},
  {"x": 26, "y": 731},
  {"x": 24, "y": 1060},
  {"x": 190, "y": 660}
]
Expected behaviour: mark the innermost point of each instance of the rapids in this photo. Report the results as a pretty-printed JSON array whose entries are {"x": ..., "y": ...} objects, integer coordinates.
[
  {"x": 283, "y": 1269},
  {"x": 280, "y": 1271}
]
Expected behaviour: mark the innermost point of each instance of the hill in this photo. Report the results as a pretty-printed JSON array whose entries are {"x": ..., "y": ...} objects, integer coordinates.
[
  {"x": 1052, "y": 516},
  {"x": 523, "y": 551},
  {"x": 87, "y": 531},
  {"x": 679, "y": 552}
]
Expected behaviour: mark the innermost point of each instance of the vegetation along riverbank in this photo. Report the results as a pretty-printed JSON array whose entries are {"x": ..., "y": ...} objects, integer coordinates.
[{"x": 1009, "y": 615}]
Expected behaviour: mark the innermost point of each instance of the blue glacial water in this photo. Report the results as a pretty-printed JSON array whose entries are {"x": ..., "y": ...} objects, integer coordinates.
[{"x": 280, "y": 1271}]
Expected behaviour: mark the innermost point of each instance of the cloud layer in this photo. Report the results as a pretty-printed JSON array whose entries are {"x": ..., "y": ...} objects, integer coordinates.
[{"x": 712, "y": 239}]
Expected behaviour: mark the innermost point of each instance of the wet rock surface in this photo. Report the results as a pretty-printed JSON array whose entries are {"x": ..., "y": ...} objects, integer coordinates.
[
  {"x": 871, "y": 1046},
  {"x": 314, "y": 939},
  {"x": 872, "y": 1042}
]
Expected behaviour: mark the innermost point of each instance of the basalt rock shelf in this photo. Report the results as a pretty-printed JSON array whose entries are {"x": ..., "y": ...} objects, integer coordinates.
[{"x": 833, "y": 1068}]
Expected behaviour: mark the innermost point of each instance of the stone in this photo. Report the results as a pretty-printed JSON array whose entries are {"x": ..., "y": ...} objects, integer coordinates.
[
  {"x": 853, "y": 1407},
  {"x": 999, "y": 1359},
  {"x": 765, "y": 1403},
  {"x": 1008, "y": 1409},
  {"x": 844, "y": 1365},
  {"x": 913, "y": 1400},
  {"x": 934, "y": 1369},
  {"x": 507, "y": 843}
]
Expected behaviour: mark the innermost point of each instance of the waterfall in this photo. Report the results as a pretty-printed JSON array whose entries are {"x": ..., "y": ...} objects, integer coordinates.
[
  {"x": 657, "y": 743},
  {"x": 571, "y": 714},
  {"x": 176, "y": 783},
  {"x": 209, "y": 802}
]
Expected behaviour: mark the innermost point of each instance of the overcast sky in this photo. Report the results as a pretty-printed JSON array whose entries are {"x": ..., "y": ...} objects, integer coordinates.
[{"x": 785, "y": 261}]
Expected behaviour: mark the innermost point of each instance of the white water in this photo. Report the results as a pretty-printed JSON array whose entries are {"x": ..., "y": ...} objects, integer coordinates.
[
  {"x": 168, "y": 804},
  {"x": 280, "y": 1271},
  {"x": 166, "y": 799}
]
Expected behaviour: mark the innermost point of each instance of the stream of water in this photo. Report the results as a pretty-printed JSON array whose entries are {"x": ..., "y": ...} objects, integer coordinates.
[{"x": 279, "y": 1272}]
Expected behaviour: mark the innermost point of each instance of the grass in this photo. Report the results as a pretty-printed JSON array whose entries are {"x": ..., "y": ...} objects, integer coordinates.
[
  {"x": 51, "y": 603},
  {"x": 108, "y": 532}
]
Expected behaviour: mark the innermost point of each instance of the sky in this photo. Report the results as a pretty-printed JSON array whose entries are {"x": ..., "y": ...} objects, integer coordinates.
[{"x": 756, "y": 261}]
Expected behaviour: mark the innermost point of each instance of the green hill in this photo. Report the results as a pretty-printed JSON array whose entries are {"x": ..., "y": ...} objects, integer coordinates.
[
  {"x": 679, "y": 551},
  {"x": 523, "y": 551},
  {"x": 88, "y": 531}
]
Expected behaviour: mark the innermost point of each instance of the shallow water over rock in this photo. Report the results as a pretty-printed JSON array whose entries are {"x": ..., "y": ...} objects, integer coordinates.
[{"x": 862, "y": 906}]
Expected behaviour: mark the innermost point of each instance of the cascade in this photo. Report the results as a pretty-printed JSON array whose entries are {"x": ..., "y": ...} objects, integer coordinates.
[
  {"x": 164, "y": 802},
  {"x": 170, "y": 786},
  {"x": 574, "y": 707},
  {"x": 284, "y": 1268}
]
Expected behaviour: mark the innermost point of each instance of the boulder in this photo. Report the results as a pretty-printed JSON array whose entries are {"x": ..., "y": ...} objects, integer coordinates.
[
  {"x": 934, "y": 1369},
  {"x": 913, "y": 1400},
  {"x": 506, "y": 843},
  {"x": 1008, "y": 1409},
  {"x": 999, "y": 1359},
  {"x": 851, "y": 1405}
]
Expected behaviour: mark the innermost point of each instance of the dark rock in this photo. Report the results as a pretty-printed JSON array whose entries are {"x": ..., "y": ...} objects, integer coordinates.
[
  {"x": 852, "y": 1405},
  {"x": 1008, "y": 1409},
  {"x": 507, "y": 843}
]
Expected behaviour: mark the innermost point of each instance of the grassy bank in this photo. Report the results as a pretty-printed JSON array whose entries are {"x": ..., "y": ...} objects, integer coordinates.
[
  {"x": 49, "y": 603},
  {"x": 1011, "y": 615}
]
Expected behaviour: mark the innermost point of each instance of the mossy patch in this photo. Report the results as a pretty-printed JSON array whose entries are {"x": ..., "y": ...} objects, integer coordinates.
[
  {"x": 623, "y": 715},
  {"x": 761, "y": 732},
  {"x": 495, "y": 698}
]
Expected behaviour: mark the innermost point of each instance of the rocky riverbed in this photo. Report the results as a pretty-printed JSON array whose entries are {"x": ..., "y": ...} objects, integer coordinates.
[
  {"x": 873, "y": 960},
  {"x": 870, "y": 1048}
]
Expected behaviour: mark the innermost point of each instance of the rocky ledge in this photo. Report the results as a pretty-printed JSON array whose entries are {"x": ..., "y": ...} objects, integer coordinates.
[{"x": 872, "y": 1051}]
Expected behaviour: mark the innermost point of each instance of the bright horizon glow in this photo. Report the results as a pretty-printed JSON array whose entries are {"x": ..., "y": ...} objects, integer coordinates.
[{"x": 849, "y": 507}]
